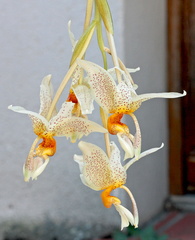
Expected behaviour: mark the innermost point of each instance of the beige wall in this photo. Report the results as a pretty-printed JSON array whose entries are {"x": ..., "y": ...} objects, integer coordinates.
[{"x": 34, "y": 42}]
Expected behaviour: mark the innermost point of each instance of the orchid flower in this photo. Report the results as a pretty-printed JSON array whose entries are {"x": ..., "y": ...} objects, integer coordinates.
[
  {"x": 60, "y": 124},
  {"x": 99, "y": 172},
  {"x": 119, "y": 99}
]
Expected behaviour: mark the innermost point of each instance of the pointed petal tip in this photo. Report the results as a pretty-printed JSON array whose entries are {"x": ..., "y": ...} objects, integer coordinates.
[
  {"x": 184, "y": 93},
  {"x": 48, "y": 76},
  {"x": 162, "y": 145},
  {"x": 82, "y": 144},
  {"x": 46, "y": 80}
]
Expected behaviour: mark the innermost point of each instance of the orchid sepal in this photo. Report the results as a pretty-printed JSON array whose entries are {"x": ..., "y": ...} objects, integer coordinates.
[{"x": 143, "y": 154}]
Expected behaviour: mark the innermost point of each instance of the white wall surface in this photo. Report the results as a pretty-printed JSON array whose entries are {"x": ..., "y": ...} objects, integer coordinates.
[
  {"x": 33, "y": 43},
  {"x": 145, "y": 46}
]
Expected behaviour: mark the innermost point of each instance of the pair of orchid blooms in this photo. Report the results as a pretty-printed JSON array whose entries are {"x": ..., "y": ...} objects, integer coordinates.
[{"x": 115, "y": 93}]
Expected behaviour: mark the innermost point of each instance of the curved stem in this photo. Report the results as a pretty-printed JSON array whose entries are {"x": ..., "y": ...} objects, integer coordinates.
[
  {"x": 60, "y": 89},
  {"x": 121, "y": 65},
  {"x": 114, "y": 55},
  {"x": 134, "y": 205}
]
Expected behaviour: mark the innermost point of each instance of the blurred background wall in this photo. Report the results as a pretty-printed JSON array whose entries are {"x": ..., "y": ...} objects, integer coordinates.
[
  {"x": 145, "y": 46},
  {"x": 34, "y": 42}
]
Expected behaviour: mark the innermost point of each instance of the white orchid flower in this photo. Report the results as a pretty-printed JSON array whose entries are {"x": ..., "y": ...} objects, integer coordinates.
[
  {"x": 61, "y": 124},
  {"x": 99, "y": 172},
  {"x": 119, "y": 99}
]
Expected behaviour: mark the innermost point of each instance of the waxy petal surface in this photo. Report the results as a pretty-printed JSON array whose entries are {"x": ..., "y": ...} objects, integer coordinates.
[
  {"x": 126, "y": 216},
  {"x": 65, "y": 125},
  {"x": 143, "y": 154},
  {"x": 97, "y": 171},
  {"x": 85, "y": 99},
  {"x": 101, "y": 82},
  {"x": 39, "y": 122},
  {"x": 46, "y": 95},
  {"x": 147, "y": 96}
]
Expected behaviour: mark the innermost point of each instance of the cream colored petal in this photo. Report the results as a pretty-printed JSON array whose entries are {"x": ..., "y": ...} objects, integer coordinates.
[
  {"x": 74, "y": 127},
  {"x": 84, "y": 96},
  {"x": 122, "y": 98},
  {"x": 134, "y": 206},
  {"x": 126, "y": 145},
  {"x": 96, "y": 170},
  {"x": 127, "y": 80},
  {"x": 39, "y": 122},
  {"x": 71, "y": 36},
  {"x": 39, "y": 168},
  {"x": 143, "y": 154},
  {"x": 77, "y": 74},
  {"x": 46, "y": 95},
  {"x": 99, "y": 172},
  {"x": 133, "y": 70},
  {"x": 27, "y": 174},
  {"x": 101, "y": 82},
  {"x": 118, "y": 173},
  {"x": 35, "y": 166},
  {"x": 84, "y": 181},
  {"x": 79, "y": 159},
  {"x": 126, "y": 216},
  {"x": 147, "y": 96},
  {"x": 64, "y": 112},
  {"x": 137, "y": 137}
]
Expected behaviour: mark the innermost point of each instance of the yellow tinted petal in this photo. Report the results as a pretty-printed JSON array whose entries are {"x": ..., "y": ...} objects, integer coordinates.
[
  {"x": 101, "y": 82},
  {"x": 46, "y": 95}
]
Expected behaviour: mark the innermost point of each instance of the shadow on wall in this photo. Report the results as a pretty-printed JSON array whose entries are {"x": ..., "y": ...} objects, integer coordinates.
[{"x": 50, "y": 230}]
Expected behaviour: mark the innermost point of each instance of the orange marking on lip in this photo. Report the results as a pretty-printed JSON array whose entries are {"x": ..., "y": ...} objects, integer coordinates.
[
  {"x": 115, "y": 125},
  {"x": 47, "y": 147},
  {"x": 108, "y": 200},
  {"x": 72, "y": 97}
]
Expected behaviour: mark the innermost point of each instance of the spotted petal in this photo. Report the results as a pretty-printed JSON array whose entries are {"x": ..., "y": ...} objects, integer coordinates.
[
  {"x": 97, "y": 171},
  {"x": 39, "y": 122},
  {"x": 118, "y": 172},
  {"x": 95, "y": 168},
  {"x": 102, "y": 84},
  {"x": 46, "y": 95},
  {"x": 122, "y": 98},
  {"x": 84, "y": 96},
  {"x": 147, "y": 96},
  {"x": 34, "y": 167},
  {"x": 74, "y": 127}
]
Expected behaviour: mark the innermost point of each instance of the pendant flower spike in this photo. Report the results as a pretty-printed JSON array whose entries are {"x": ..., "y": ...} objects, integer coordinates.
[
  {"x": 60, "y": 124},
  {"x": 119, "y": 99},
  {"x": 99, "y": 172}
]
